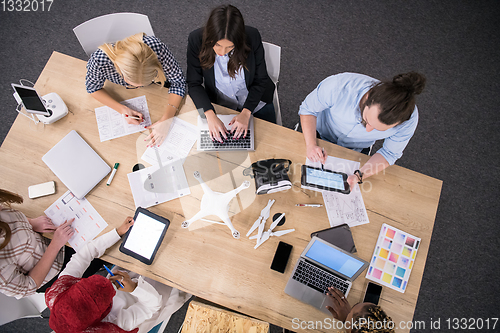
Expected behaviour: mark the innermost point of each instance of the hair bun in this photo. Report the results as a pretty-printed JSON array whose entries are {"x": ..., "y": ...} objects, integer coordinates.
[{"x": 414, "y": 82}]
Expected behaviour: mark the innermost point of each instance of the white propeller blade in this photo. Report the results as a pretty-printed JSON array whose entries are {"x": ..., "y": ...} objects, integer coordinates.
[
  {"x": 281, "y": 232},
  {"x": 254, "y": 226}
]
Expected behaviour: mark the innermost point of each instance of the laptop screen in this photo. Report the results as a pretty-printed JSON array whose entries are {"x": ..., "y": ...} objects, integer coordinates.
[{"x": 334, "y": 259}]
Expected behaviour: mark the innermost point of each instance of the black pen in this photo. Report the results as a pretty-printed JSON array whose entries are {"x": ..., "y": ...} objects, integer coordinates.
[{"x": 322, "y": 166}]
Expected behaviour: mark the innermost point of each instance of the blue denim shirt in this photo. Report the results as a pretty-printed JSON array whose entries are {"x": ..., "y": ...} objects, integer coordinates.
[{"x": 335, "y": 104}]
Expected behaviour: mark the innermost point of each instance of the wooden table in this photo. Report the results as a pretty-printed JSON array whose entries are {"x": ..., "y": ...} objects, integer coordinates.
[{"x": 205, "y": 260}]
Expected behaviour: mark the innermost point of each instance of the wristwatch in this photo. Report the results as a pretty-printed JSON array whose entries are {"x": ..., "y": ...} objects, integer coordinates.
[{"x": 359, "y": 174}]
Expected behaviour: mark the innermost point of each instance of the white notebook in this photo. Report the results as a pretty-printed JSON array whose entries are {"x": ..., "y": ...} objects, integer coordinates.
[{"x": 76, "y": 164}]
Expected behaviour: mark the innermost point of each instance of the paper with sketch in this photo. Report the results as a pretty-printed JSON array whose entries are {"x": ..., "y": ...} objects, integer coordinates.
[
  {"x": 112, "y": 124},
  {"x": 177, "y": 145},
  {"x": 157, "y": 184},
  {"x": 87, "y": 224},
  {"x": 342, "y": 208}
]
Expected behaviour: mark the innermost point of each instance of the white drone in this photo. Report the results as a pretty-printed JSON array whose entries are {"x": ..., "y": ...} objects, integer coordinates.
[{"x": 215, "y": 203}]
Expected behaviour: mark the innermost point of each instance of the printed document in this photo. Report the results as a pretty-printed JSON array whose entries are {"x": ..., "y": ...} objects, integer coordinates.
[
  {"x": 177, "y": 145},
  {"x": 87, "y": 224},
  {"x": 112, "y": 124},
  {"x": 158, "y": 183}
]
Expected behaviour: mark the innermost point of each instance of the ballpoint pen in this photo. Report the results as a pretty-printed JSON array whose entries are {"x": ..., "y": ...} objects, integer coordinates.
[
  {"x": 111, "y": 273},
  {"x": 309, "y": 205},
  {"x": 133, "y": 117},
  {"x": 322, "y": 166}
]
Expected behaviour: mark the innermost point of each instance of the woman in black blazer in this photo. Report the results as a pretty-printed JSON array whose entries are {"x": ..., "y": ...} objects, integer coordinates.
[{"x": 226, "y": 65}]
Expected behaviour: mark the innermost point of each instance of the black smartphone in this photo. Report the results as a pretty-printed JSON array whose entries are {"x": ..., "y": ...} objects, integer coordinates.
[
  {"x": 281, "y": 257},
  {"x": 372, "y": 294},
  {"x": 324, "y": 179}
]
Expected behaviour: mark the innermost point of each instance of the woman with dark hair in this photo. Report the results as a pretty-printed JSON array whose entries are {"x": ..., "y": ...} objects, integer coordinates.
[
  {"x": 226, "y": 66},
  {"x": 354, "y": 110},
  {"x": 27, "y": 259}
]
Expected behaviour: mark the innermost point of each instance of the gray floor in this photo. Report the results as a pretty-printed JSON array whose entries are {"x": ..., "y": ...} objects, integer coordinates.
[{"x": 454, "y": 43}]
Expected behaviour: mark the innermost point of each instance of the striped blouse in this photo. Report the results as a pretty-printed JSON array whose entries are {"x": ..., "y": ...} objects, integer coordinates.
[{"x": 21, "y": 254}]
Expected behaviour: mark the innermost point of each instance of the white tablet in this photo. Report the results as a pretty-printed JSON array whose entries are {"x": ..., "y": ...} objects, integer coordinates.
[
  {"x": 144, "y": 238},
  {"x": 31, "y": 100}
]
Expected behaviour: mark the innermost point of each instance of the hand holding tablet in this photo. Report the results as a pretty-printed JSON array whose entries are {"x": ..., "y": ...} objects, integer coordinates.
[{"x": 143, "y": 240}]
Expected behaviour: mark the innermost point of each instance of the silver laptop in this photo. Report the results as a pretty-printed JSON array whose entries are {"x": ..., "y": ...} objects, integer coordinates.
[
  {"x": 322, "y": 265},
  {"x": 205, "y": 143},
  {"x": 76, "y": 164}
]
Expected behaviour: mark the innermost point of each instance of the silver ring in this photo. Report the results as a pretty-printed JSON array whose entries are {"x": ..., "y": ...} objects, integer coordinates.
[{"x": 342, "y": 297}]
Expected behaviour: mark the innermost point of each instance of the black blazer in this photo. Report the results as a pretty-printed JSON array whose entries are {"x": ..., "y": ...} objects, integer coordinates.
[{"x": 260, "y": 86}]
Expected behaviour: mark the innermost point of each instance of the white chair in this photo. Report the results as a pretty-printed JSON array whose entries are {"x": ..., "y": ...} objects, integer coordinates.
[
  {"x": 273, "y": 59},
  {"x": 26, "y": 307},
  {"x": 111, "y": 28}
]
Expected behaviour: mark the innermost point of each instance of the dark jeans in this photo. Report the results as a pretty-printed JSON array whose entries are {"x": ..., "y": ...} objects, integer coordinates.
[
  {"x": 266, "y": 113},
  {"x": 93, "y": 268}
]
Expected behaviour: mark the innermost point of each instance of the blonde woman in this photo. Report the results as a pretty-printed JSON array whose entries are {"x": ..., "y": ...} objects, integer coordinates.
[
  {"x": 27, "y": 259},
  {"x": 135, "y": 62}
]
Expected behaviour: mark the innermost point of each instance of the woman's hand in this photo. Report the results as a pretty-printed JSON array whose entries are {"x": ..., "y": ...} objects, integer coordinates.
[
  {"x": 239, "y": 124},
  {"x": 63, "y": 233},
  {"x": 128, "y": 113},
  {"x": 316, "y": 154},
  {"x": 128, "y": 285},
  {"x": 122, "y": 230},
  {"x": 216, "y": 127},
  {"x": 42, "y": 224},
  {"x": 341, "y": 306},
  {"x": 159, "y": 131}
]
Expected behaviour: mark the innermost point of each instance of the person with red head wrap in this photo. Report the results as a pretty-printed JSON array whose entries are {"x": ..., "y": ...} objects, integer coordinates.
[{"x": 97, "y": 304}]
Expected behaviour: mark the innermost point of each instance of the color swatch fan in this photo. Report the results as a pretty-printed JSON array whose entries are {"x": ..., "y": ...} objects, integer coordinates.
[{"x": 393, "y": 258}]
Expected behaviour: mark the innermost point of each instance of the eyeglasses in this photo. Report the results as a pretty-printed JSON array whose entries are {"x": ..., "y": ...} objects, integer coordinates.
[{"x": 129, "y": 86}]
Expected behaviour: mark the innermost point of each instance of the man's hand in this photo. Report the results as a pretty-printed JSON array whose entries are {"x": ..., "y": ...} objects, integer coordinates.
[
  {"x": 122, "y": 230},
  {"x": 42, "y": 224},
  {"x": 316, "y": 154}
]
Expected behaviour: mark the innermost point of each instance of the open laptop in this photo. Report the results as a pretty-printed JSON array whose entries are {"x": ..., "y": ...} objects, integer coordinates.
[
  {"x": 205, "y": 143},
  {"x": 322, "y": 265},
  {"x": 76, "y": 164}
]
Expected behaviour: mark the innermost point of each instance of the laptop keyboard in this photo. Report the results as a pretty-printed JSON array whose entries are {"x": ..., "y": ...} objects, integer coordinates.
[
  {"x": 318, "y": 278},
  {"x": 229, "y": 143}
]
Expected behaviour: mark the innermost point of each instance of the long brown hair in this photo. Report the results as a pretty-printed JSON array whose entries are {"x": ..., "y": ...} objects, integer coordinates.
[
  {"x": 225, "y": 22},
  {"x": 396, "y": 97},
  {"x": 8, "y": 198}
]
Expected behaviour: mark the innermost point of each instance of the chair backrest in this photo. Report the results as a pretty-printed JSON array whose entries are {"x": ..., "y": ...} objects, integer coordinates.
[
  {"x": 12, "y": 308},
  {"x": 273, "y": 59},
  {"x": 111, "y": 28}
]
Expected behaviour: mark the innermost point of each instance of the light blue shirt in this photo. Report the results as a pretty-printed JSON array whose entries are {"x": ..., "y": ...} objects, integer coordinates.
[
  {"x": 231, "y": 93},
  {"x": 335, "y": 104}
]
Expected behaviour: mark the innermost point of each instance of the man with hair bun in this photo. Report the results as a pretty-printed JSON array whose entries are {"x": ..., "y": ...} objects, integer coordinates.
[{"x": 354, "y": 110}]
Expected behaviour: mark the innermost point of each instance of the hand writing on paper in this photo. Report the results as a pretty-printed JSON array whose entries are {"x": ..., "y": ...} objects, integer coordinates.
[
  {"x": 341, "y": 306},
  {"x": 42, "y": 224},
  {"x": 128, "y": 285},
  {"x": 63, "y": 233},
  {"x": 128, "y": 113},
  {"x": 239, "y": 124},
  {"x": 122, "y": 230},
  {"x": 316, "y": 154}
]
